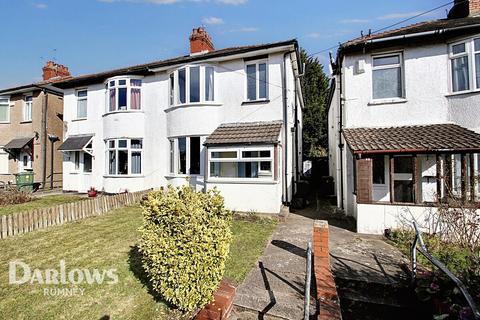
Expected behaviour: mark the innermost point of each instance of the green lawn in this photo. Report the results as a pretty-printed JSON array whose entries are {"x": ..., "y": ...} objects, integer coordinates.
[
  {"x": 105, "y": 242},
  {"x": 37, "y": 203}
]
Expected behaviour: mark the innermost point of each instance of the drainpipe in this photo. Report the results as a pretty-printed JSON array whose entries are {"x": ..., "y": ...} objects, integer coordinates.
[
  {"x": 340, "y": 142},
  {"x": 285, "y": 124},
  {"x": 44, "y": 137}
]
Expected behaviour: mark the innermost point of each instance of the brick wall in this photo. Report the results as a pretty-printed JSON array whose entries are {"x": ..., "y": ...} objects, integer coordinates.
[{"x": 328, "y": 301}]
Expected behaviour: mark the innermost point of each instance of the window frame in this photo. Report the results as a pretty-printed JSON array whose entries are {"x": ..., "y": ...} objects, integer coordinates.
[
  {"x": 257, "y": 80},
  {"x": 7, "y": 105},
  {"x": 81, "y": 99},
  {"x": 400, "y": 65},
  {"x": 116, "y": 148},
  {"x": 240, "y": 158},
  {"x": 470, "y": 52},
  {"x": 5, "y": 154},
  {"x": 27, "y": 105},
  {"x": 176, "y": 156},
  {"x": 175, "y": 100},
  {"x": 128, "y": 85}
]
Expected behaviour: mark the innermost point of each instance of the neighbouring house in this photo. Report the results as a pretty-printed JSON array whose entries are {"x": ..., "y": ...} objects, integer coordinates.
[
  {"x": 228, "y": 118},
  {"x": 30, "y": 119},
  {"x": 404, "y": 120}
]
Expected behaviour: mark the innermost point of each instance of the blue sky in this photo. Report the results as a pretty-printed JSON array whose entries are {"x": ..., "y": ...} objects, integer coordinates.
[{"x": 94, "y": 35}]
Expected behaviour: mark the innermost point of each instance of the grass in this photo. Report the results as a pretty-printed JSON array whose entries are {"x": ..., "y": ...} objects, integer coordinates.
[
  {"x": 37, "y": 203},
  {"x": 105, "y": 242}
]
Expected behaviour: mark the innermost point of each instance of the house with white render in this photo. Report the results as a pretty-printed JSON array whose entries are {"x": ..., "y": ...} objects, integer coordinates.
[
  {"x": 404, "y": 120},
  {"x": 229, "y": 119}
]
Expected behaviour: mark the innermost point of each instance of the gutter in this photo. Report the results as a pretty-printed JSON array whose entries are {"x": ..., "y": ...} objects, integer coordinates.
[{"x": 415, "y": 151}]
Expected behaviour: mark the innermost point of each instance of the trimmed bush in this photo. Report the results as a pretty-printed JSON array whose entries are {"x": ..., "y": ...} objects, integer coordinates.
[
  {"x": 14, "y": 196},
  {"x": 185, "y": 242}
]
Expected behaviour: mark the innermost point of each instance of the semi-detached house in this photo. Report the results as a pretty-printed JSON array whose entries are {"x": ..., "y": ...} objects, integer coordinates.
[
  {"x": 404, "y": 120},
  {"x": 229, "y": 118}
]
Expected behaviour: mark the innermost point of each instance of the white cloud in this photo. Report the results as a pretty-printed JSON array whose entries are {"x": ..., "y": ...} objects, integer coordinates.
[
  {"x": 399, "y": 15},
  {"x": 40, "y": 5},
  {"x": 232, "y": 2},
  {"x": 213, "y": 21},
  {"x": 348, "y": 21},
  {"x": 248, "y": 29}
]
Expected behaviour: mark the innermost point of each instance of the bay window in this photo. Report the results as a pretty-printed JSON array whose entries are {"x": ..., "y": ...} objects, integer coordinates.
[
  {"x": 241, "y": 163},
  {"x": 124, "y": 156},
  {"x": 192, "y": 84},
  {"x": 124, "y": 94},
  {"x": 185, "y": 155},
  {"x": 387, "y": 76},
  {"x": 4, "y": 109},
  {"x": 257, "y": 79},
  {"x": 465, "y": 65}
]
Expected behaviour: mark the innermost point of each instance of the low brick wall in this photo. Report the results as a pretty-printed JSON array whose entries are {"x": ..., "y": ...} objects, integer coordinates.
[
  {"x": 27, "y": 221},
  {"x": 222, "y": 305},
  {"x": 328, "y": 301}
]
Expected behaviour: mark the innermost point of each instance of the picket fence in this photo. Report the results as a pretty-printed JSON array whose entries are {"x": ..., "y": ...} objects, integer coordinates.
[{"x": 27, "y": 221}]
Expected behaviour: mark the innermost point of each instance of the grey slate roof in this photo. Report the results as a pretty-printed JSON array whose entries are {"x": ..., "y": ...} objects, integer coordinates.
[
  {"x": 246, "y": 133},
  {"x": 412, "y": 139},
  {"x": 74, "y": 143},
  {"x": 18, "y": 143}
]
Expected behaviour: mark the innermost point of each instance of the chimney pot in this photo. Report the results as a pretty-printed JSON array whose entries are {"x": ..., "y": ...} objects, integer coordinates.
[
  {"x": 53, "y": 70},
  {"x": 200, "y": 41},
  {"x": 464, "y": 8}
]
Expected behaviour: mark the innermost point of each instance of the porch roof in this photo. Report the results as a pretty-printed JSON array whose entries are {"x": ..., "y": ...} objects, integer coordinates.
[
  {"x": 18, "y": 143},
  {"x": 75, "y": 143},
  {"x": 246, "y": 133},
  {"x": 412, "y": 139}
]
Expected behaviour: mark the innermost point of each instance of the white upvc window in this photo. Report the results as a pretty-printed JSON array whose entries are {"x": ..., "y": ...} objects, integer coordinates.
[
  {"x": 387, "y": 76},
  {"x": 192, "y": 84},
  {"x": 3, "y": 161},
  {"x": 83, "y": 160},
  {"x": 124, "y": 93},
  {"x": 465, "y": 65},
  {"x": 241, "y": 163},
  {"x": 4, "y": 110},
  {"x": 82, "y": 103},
  {"x": 256, "y": 80},
  {"x": 124, "y": 156},
  {"x": 27, "y": 108},
  {"x": 185, "y": 155}
]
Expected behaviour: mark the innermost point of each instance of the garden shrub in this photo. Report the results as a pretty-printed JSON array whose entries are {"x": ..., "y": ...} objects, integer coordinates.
[
  {"x": 185, "y": 242},
  {"x": 14, "y": 196}
]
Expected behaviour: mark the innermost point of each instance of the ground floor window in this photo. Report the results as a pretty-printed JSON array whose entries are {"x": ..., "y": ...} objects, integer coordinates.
[
  {"x": 124, "y": 156},
  {"x": 241, "y": 163},
  {"x": 82, "y": 161},
  {"x": 3, "y": 162},
  {"x": 185, "y": 155}
]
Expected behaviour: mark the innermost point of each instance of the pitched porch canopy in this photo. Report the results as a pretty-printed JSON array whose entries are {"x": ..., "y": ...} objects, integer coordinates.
[
  {"x": 16, "y": 145},
  {"x": 247, "y": 151},
  {"x": 415, "y": 164},
  {"x": 77, "y": 143}
]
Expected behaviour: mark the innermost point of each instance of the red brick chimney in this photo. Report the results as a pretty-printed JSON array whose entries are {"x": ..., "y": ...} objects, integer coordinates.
[
  {"x": 465, "y": 8},
  {"x": 54, "y": 70},
  {"x": 200, "y": 41}
]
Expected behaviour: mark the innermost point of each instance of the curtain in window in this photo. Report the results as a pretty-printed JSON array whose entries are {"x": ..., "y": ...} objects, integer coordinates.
[
  {"x": 135, "y": 98},
  {"x": 251, "y": 82},
  {"x": 387, "y": 83},
  {"x": 111, "y": 162},
  {"x": 82, "y": 108},
  {"x": 136, "y": 162},
  {"x": 209, "y": 85},
  {"x": 181, "y": 85},
  {"x": 460, "y": 74},
  {"x": 262, "y": 75},
  {"x": 112, "y": 99}
]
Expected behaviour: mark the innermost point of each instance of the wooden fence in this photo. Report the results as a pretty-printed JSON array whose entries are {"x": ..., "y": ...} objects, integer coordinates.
[{"x": 23, "y": 222}]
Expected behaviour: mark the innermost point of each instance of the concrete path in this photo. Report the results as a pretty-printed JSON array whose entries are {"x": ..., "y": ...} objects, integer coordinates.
[{"x": 274, "y": 289}]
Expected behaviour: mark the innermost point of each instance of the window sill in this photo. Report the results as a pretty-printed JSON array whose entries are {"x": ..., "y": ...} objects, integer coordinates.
[
  {"x": 122, "y": 111},
  {"x": 241, "y": 181},
  {"x": 184, "y": 176},
  {"x": 192, "y": 105},
  {"x": 124, "y": 176},
  {"x": 462, "y": 93},
  {"x": 386, "y": 101},
  {"x": 260, "y": 101},
  {"x": 26, "y": 121},
  {"x": 5, "y": 122},
  {"x": 79, "y": 119}
]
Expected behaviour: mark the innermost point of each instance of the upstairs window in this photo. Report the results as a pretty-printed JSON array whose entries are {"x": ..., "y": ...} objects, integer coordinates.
[
  {"x": 27, "y": 108},
  {"x": 387, "y": 77},
  {"x": 257, "y": 78},
  {"x": 4, "y": 109},
  {"x": 192, "y": 84},
  {"x": 124, "y": 94},
  {"x": 465, "y": 65},
  {"x": 81, "y": 104}
]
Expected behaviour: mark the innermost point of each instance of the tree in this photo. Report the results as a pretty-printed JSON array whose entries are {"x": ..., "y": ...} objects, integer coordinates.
[{"x": 315, "y": 88}]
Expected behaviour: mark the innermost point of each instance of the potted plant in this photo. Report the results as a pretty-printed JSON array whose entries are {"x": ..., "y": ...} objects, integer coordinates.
[{"x": 92, "y": 193}]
